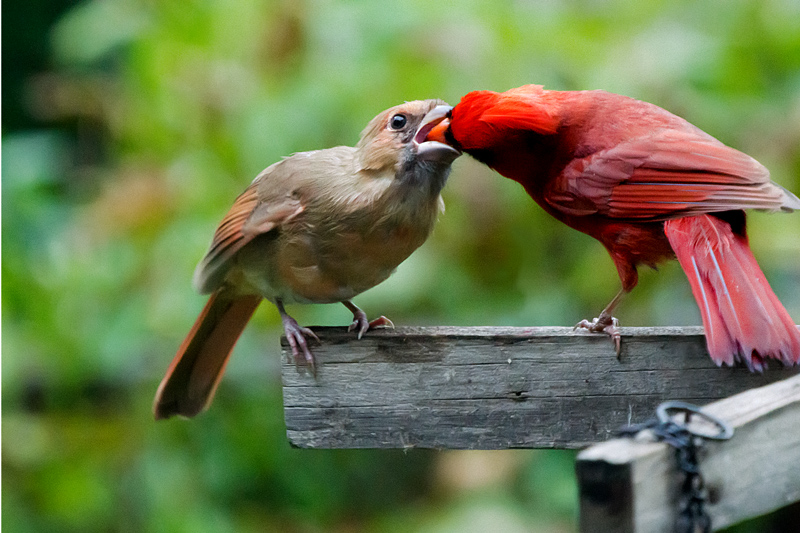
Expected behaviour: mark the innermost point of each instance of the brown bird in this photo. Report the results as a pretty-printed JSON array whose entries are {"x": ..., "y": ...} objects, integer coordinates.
[{"x": 316, "y": 227}]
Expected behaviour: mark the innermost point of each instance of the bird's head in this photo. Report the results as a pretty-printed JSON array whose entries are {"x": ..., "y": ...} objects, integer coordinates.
[
  {"x": 395, "y": 141},
  {"x": 485, "y": 120}
]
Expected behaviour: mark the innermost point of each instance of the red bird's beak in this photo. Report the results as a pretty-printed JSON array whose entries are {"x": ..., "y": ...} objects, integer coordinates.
[
  {"x": 435, "y": 147},
  {"x": 437, "y": 132}
]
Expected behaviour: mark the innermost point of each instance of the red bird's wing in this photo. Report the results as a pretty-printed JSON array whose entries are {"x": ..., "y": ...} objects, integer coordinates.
[
  {"x": 246, "y": 219},
  {"x": 669, "y": 174}
]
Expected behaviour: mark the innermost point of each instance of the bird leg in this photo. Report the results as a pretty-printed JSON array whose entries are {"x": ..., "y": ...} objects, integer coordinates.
[
  {"x": 605, "y": 323},
  {"x": 360, "y": 321},
  {"x": 296, "y": 335}
]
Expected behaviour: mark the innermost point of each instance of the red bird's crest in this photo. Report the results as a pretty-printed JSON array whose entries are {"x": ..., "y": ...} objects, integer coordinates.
[{"x": 491, "y": 116}]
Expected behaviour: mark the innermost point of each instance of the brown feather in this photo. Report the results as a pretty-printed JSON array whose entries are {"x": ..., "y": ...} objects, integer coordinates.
[
  {"x": 247, "y": 218},
  {"x": 192, "y": 377},
  {"x": 320, "y": 226},
  {"x": 228, "y": 239}
]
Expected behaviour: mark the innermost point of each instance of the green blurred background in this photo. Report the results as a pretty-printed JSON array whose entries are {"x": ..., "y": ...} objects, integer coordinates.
[{"x": 128, "y": 128}]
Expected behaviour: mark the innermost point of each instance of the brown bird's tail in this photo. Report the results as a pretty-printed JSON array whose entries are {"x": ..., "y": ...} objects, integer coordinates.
[
  {"x": 743, "y": 318},
  {"x": 193, "y": 376}
]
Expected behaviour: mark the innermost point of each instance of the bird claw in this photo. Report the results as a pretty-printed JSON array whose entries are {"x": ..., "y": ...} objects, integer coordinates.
[
  {"x": 296, "y": 336},
  {"x": 362, "y": 324},
  {"x": 604, "y": 324}
]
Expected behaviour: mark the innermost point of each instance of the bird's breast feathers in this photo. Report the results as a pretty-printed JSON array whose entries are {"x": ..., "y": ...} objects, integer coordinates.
[{"x": 353, "y": 232}]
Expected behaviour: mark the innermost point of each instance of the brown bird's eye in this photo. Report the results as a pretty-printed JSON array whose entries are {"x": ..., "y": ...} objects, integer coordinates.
[{"x": 398, "y": 122}]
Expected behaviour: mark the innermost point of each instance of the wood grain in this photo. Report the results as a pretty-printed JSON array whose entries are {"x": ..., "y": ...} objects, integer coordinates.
[{"x": 496, "y": 388}]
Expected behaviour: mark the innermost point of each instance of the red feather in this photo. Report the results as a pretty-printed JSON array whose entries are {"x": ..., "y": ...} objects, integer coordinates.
[
  {"x": 742, "y": 316},
  {"x": 492, "y": 116},
  {"x": 624, "y": 172}
]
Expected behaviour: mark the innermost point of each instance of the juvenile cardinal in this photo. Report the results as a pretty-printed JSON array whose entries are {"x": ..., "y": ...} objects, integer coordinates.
[
  {"x": 317, "y": 227},
  {"x": 650, "y": 187}
]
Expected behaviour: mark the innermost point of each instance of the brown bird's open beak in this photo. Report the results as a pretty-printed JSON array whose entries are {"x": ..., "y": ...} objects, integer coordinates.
[{"x": 430, "y": 140}]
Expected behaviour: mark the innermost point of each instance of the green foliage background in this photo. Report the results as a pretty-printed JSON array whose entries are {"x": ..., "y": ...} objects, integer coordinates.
[{"x": 129, "y": 126}]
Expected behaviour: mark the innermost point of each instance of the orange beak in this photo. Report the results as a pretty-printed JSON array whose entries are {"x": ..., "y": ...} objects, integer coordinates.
[{"x": 437, "y": 133}]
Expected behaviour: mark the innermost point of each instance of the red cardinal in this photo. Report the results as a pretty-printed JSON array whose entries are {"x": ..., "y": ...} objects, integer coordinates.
[
  {"x": 650, "y": 187},
  {"x": 316, "y": 227}
]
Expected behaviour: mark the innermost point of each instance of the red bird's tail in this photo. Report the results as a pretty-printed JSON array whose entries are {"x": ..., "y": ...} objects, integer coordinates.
[
  {"x": 743, "y": 318},
  {"x": 197, "y": 368}
]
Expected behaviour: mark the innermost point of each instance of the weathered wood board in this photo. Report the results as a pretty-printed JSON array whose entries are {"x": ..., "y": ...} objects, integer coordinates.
[
  {"x": 627, "y": 485},
  {"x": 496, "y": 388}
]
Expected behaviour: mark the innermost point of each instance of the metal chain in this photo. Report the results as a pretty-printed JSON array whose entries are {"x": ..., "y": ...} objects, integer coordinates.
[{"x": 688, "y": 442}]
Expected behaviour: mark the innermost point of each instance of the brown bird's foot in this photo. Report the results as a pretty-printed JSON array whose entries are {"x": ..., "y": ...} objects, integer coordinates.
[
  {"x": 604, "y": 324},
  {"x": 361, "y": 323},
  {"x": 296, "y": 335}
]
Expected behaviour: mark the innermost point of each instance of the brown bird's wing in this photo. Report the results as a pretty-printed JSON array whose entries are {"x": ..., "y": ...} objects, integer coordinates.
[
  {"x": 670, "y": 174},
  {"x": 249, "y": 217}
]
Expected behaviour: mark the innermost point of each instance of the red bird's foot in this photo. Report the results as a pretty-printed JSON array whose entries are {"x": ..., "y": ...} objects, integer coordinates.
[
  {"x": 296, "y": 335},
  {"x": 604, "y": 324}
]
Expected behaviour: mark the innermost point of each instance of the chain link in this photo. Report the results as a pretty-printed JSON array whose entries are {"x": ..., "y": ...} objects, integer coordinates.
[{"x": 688, "y": 443}]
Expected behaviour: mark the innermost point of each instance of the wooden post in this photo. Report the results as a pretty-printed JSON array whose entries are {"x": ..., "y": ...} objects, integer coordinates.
[
  {"x": 627, "y": 485},
  {"x": 496, "y": 388}
]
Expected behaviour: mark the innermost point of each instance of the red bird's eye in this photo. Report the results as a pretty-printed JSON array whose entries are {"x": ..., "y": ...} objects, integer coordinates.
[{"x": 397, "y": 122}]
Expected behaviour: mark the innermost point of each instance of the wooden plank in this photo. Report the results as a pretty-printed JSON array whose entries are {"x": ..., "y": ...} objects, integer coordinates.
[
  {"x": 627, "y": 485},
  {"x": 495, "y": 388}
]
